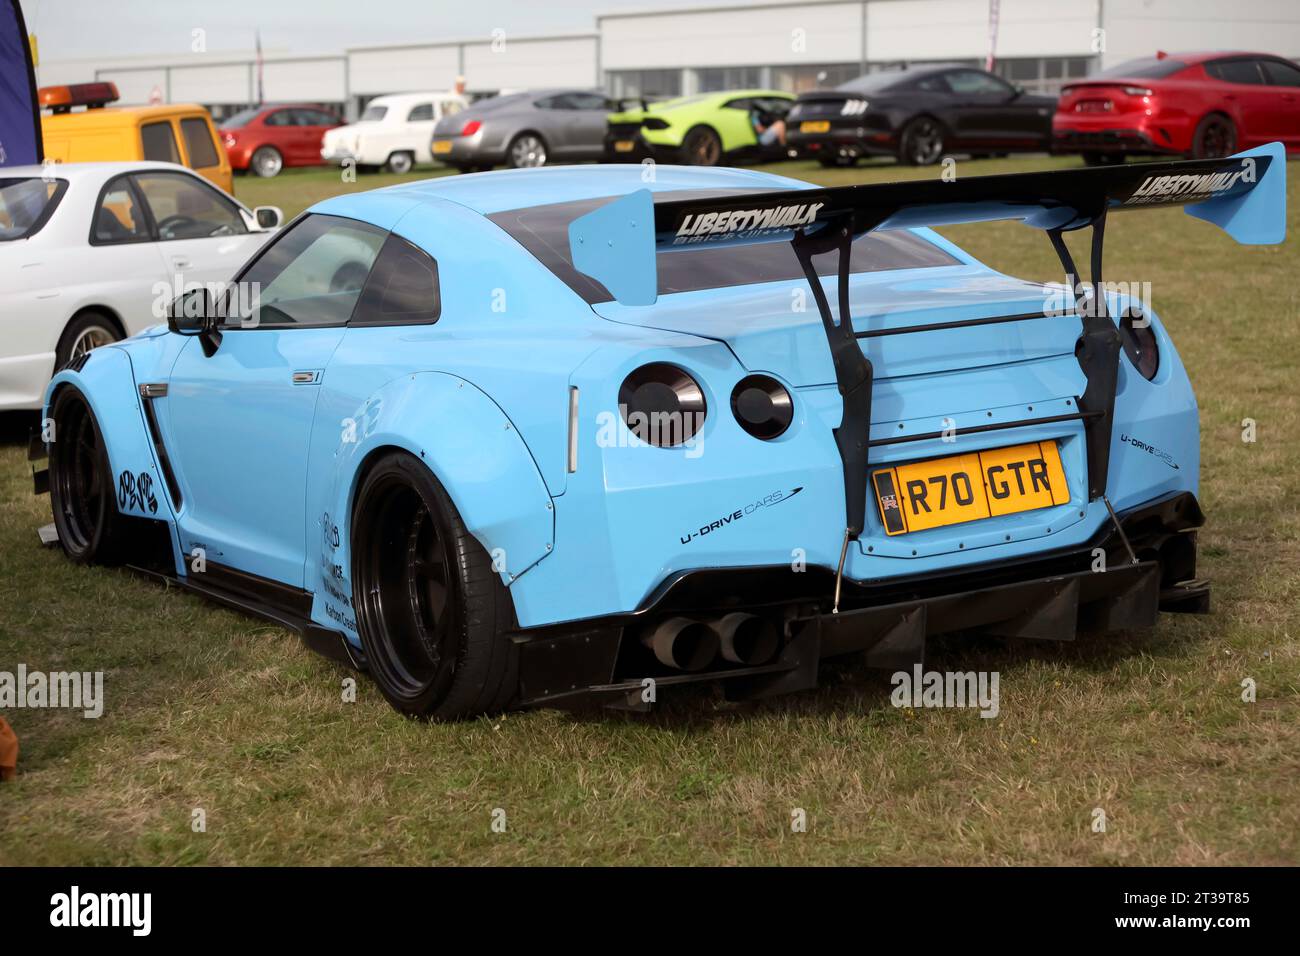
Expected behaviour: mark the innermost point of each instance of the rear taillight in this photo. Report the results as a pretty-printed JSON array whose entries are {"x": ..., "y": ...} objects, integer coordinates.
[
  {"x": 1137, "y": 91},
  {"x": 662, "y": 404},
  {"x": 470, "y": 128},
  {"x": 229, "y": 139}
]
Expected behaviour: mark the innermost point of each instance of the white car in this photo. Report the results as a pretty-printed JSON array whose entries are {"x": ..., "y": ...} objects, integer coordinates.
[
  {"x": 89, "y": 250},
  {"x": 394, "y": 131}
]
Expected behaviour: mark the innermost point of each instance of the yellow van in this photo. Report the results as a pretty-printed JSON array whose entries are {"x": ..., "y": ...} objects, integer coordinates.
[{"x": 175, "y": 133}]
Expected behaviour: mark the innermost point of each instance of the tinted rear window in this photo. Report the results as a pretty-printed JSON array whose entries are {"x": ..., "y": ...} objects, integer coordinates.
[
  {"x": 875, "y": 82},
  {"x": 198, "y": 143},
  {"x": 159, "y": 142},
  {"x": 544, "y": 232},
  {"x": 1150, "y": 68},
  {"x": 27, "y": 204}
]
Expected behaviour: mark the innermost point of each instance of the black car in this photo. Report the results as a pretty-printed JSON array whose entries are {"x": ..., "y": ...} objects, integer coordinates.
[{"x": 919, "y": 115}]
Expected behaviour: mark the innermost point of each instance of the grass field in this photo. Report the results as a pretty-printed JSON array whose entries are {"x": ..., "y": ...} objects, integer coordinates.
[{"x": 210, "y": 710}]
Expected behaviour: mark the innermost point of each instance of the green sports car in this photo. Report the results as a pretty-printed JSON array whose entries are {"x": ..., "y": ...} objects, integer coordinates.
[{"x": 707, "y": 129}]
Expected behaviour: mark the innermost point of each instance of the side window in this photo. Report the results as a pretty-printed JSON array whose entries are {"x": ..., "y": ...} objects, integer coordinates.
[
  {"x": 452, "y": 107},
  {"x": 1281, "y": 74},
  {"x": 185, "y": 208},
  {"x": 1235, "y": 71},
  {"x": 119, "y": 217},
  {"x": 312, "y": 274},
  {"x": 977, "y": 83},
  {"x": 588, "y": 101},
  {"x": 548, "y": 103},
  {"x": 280, "y": 118},
  {"x": 159, "y": 142},
  {"x": 740, "y": 104},
  {"x": 402, "y": 288},
  {"x": 420, "y": 114},
  {"x": 315, "y": 118},
  {"x": 198, "y": 143},
  {"x": 932, "y": 84}
]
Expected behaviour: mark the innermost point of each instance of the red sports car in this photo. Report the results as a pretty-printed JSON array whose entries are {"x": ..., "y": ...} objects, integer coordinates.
[
  {"x": 268, "y": 138},
  {"x": 1200, "y": 105}
]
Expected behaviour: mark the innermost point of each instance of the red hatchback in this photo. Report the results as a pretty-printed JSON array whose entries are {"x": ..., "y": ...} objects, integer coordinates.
[
  {"x": 1194, "y": 104},
  {"x": 268, "y": 138}
]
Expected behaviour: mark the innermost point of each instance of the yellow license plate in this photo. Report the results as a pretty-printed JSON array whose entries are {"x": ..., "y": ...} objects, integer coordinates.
[
  {"x": 815, "y": 126},
  {"x": 624, "y": 145},
  {"x": 944, "y": 491},
  {"x": 441, "y": 146}
]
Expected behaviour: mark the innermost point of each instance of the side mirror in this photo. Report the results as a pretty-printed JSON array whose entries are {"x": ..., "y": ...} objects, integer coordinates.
[
  {"x": 190, "y": 312},
  {"x": 194, "y": 313},
  {"x": 268, "y": 217},
  {"x": 1017, "y": 91}
]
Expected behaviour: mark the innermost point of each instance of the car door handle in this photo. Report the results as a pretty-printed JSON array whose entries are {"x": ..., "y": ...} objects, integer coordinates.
[{"x": 180, "y": 262}]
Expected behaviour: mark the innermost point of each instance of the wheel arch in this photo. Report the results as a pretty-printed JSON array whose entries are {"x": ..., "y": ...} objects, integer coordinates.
[
  {"x": 471, "y": 448},
  {"x": 106, "y": 311}
]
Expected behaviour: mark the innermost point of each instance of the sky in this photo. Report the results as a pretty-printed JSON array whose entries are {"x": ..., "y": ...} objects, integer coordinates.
[{"x": 75, "y": 29}]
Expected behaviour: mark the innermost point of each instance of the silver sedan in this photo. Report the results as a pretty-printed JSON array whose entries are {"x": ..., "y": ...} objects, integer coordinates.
[{"x": 525, "y": 129}]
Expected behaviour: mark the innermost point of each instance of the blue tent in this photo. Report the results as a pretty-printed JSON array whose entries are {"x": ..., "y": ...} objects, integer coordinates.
[{"x": 20, "y": 117}]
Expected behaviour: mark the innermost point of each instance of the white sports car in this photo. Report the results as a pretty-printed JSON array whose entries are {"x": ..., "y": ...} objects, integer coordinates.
[{"x": 87, "y": 250}]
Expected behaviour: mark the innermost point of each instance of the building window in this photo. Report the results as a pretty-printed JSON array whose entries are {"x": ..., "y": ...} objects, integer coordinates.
[
  {"x": 1043, "y": 74},
  {"x": 718, "y": 79},
  {"x": 652, "y": 84},
  {"x": 799, "y": 79}
]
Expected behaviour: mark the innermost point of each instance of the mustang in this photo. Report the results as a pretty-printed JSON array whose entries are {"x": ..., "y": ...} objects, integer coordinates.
[{"x": 502, "y": 452}]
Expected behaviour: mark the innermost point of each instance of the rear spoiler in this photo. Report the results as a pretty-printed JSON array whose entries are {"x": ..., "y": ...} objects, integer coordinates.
[{"x": 1244, "y": 195}]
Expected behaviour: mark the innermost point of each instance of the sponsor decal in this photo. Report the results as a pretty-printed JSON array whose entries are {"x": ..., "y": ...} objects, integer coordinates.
[
  {"x": 1150, "y": 449},
  {"x": 745, "y": 223},
  {"x": 1191, "y": 187},
  {"x": 767, "y": 501},
  {"x": 136, "y": 492}
]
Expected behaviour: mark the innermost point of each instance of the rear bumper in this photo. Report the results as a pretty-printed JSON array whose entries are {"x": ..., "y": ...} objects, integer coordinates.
[
  {"x": 845, "y": 143},
  {"x": 1123, "y": 140},
  {"x": 23, "y": 379},
  {"x": 1053, "y": 598}
]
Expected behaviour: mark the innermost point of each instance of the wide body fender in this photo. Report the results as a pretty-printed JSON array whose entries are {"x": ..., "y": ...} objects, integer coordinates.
[
  {"x": 468, "y": 444},
  {"x": 107, "y": 380}
]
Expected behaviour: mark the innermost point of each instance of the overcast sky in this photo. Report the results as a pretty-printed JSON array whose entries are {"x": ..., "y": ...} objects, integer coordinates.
[{"x": 72, "y": 29}]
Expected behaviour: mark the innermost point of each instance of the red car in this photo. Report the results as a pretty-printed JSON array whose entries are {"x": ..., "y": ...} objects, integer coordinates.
[
  {"x": 1199, "y": 105},
  {"x": 268, "y": 138}
]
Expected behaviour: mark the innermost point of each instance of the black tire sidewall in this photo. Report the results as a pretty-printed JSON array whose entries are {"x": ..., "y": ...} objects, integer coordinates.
[
  {"x": 478, "y": 604},
  {"x": 1204, "y": 124},
  {"x": 701, "y": 132},
  {"x": 74, "y": 330},
  {"x": 102, "y": 544},
  {"x": 904, "y": 141}
]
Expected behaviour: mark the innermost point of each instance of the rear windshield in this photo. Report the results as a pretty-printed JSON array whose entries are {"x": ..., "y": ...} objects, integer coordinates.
[
  {"x": 544, "y": 232},
  {"x": 27, "y": 204},
  {"x": 374, "y": 114},
  {"x": 876, "y": 82},
  {"x": 240, "y": 119},
  {"x": 1150, "y": 68}
]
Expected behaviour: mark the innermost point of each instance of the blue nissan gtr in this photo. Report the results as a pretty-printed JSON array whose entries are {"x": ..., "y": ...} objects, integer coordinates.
[{"x": 561, "y": 436}]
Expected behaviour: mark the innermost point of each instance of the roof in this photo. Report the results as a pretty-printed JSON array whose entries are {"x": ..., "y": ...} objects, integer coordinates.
[
  {"x": 412, "y": 97},
  {"x": 74, "y": 171},
  {"x": 109, "y": 113},
  {"x": 488, "y": 193}
]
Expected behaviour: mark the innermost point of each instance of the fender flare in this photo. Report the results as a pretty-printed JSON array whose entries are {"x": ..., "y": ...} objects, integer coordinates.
[
  {"x": 107, "y": 380},
  {"x": 469, "y": 445}
]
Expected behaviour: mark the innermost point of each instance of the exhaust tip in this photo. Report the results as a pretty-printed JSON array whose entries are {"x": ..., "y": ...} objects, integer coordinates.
[
  {"x": 747, "y": 638},
  {"x": 683, "y": 644}
]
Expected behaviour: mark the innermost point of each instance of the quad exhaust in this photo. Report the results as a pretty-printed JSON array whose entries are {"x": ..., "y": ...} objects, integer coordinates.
[
  {"x": 688, "y": 644},
  {"x": 682, "y": 643},
  {"x": 746, "y": 638}
]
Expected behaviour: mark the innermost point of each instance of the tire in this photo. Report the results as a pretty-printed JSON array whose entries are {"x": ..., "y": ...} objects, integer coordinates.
[
  {"x": 702, "y": 147},
  {"x": 82, "y": 491},
  {"x": 266, "y": 162},
  {"x": 1215, "y": 137},
  {"x": 87, "y": 331},
  {"x": 400, "y": 163},
  {"x": 431, "y": 612},
  {"x": 921, "y": 142},
  {"x": 526, "y": 151},
  {"x": 1103, "y": 159}
]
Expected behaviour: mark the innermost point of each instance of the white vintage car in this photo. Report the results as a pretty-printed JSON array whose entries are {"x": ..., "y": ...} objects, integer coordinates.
[
  {"x": 394, "y": 132},
  {"x": 88, "y": 251}
]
